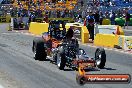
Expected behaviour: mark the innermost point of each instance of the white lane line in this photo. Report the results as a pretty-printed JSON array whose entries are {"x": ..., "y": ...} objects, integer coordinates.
[{"x": 1, "y": 86}]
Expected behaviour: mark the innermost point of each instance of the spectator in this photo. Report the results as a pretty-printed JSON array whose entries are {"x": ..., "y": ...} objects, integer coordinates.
[
  {"x": 62, "y": 14},
  {"x": 96, "y": 17},
  {"x": 58, "y": 14},
  {"x": 101, "y": 18},
  {"x": 112, "y": 18},
  {"x": 90, "y": 25},
  {"x": 83, "y": 14},
  {"x": 127, "y": 19},
  {"x": 82, "y": 3},
  {"x": 46, "y": 19},
  {"x": 106, "y": 15},
  {"x": 80, "y": 20}
]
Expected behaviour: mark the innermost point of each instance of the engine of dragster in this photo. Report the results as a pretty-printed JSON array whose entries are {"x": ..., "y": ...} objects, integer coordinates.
[
  {"x": 83, "y": 61},
  {"x": 77, "y": 57}
]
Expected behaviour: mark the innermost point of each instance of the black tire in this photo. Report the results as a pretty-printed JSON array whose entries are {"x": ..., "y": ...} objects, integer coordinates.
[
  {"x": 61, "y": 61},
  {"x": 38, "y": 49},
  {"x": 100, "y": 57},
  {"x": 81, "y": 80}
]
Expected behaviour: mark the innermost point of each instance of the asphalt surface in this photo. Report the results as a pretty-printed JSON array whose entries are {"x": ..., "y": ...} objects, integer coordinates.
[
  {"x": 128, "y": 31},
  {"x": 18, "y": 69}
]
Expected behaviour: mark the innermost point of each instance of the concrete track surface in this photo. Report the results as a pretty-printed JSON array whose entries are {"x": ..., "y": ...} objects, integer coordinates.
[{"x": 18, "y": 69}]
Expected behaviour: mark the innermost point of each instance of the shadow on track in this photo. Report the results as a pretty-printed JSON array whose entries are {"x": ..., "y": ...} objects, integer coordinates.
[
  {"x": 68, "y": 69},
  {"x": 93, "y": 69},
  {"x": 109, "y": 68}
]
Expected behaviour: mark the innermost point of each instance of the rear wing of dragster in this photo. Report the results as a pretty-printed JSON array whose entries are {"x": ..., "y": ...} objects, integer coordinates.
[{"x": 82, "y": 77}]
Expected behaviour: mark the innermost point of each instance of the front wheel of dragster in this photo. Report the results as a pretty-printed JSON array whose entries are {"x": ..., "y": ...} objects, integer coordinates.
[
  {"x": 39, "y": 49},
  {"x": 81, "y": 80},
  {"x": 61, "y": 61},
  {"x": 100, "y": 57}
]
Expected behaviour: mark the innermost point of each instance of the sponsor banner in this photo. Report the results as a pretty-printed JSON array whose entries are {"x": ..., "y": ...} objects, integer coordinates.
[{"x": 104, "y": 78}]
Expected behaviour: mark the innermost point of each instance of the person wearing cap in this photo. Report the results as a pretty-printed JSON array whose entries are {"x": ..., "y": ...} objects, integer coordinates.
[{"x": 90, "y": 24}]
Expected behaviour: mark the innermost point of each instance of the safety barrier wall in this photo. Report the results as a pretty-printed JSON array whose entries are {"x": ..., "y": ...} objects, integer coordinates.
[
  {"x": 113, "y": 41},
  {"x": 106, "y": 40},
  {"x": 38, "y": 28},
  {"x": 84, "y": 35}
]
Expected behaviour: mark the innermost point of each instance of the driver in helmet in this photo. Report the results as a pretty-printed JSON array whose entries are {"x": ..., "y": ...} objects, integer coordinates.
[
  {"x": 70, "y": 38},
  {"x": 69, "y": 34}
]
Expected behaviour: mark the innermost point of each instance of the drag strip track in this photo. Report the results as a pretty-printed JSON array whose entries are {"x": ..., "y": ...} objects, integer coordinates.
[{"x": 16, "y": 59}]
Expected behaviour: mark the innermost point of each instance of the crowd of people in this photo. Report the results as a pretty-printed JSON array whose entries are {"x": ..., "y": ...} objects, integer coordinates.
[
  {"x": 37, "y": 12},
  {"x": 89, "y": 13},
  {"x": 34, "y": 9}
]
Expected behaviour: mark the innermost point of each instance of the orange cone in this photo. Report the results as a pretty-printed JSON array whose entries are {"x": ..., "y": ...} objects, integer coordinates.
[{"x": 117, "y": 31}]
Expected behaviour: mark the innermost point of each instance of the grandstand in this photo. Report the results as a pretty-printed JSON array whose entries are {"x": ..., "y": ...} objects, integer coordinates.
[
  {"x": 106, "y": 5},
  {"x": 45, "y": 5},
  {"x": 63, "y": 5}
]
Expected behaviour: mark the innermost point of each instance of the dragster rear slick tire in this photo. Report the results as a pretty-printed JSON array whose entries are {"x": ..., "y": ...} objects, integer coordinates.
[
  {"x": 39, "y": 49},
  {"x": 100, "y": 57}
]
